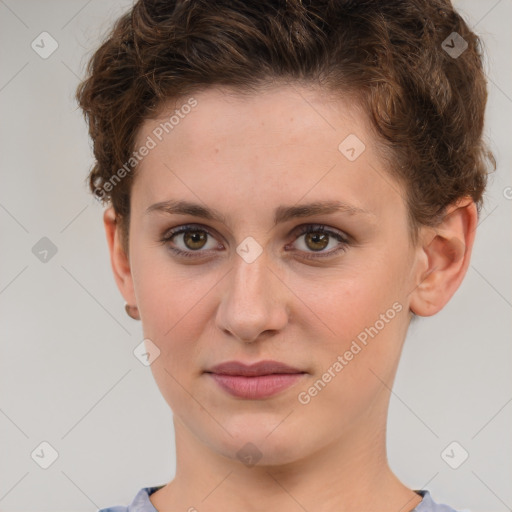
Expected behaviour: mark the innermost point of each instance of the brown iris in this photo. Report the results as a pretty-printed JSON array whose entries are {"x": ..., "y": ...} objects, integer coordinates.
[
  {"x": 321, "y": 239},
  {"x": 195, "y": 237}
]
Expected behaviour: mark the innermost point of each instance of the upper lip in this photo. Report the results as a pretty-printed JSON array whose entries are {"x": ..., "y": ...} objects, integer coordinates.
[{"x": 252, "y": 370}]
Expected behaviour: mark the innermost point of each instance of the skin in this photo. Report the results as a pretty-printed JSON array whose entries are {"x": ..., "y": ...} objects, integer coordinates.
[{"x": 246, "y": 156}]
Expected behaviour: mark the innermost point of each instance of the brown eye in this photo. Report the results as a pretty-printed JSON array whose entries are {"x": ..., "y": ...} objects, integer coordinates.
[
  {"x": 189, "y": 240},
  {"x": 316, "y": 241},
  {"x": 313, "y": 239},
  {"x": 195, "y": 239}
]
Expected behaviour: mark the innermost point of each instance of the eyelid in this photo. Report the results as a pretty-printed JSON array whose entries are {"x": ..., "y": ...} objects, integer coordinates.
[
  {"x": 187, "y": 227},
  {"x": 319, "y": 228}
]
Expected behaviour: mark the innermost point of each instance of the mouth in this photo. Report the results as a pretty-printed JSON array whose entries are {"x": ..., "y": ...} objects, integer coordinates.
[{"x": 256, "y": 381}]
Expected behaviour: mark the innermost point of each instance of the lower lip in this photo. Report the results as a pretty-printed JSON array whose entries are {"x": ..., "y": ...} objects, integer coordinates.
[{"x": 259, "y": 387}]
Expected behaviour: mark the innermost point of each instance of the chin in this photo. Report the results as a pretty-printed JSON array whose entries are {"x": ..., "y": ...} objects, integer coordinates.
[{"x": 264, "y": 440}]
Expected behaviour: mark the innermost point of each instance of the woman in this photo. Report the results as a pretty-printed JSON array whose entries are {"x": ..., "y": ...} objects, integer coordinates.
[{"x": 288, "y": 185}]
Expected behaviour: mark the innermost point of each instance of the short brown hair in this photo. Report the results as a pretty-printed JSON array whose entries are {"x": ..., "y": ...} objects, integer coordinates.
[{"x": 426, "y": 105}]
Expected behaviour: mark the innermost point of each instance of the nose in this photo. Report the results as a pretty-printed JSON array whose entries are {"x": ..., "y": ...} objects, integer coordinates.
[{"x": 254, "y": 301}]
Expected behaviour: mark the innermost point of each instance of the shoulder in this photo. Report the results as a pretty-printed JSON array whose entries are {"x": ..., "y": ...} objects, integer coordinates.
[
  {"x": 428, "y": 504},
  {"x": 140, "y": 503}
]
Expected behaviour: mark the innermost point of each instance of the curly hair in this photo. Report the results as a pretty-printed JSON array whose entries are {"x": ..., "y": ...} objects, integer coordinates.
[{"x": 425, "y": 103}]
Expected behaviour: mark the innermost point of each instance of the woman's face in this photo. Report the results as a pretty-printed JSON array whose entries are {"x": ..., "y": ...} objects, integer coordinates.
[{"x": 334, "y": 305}]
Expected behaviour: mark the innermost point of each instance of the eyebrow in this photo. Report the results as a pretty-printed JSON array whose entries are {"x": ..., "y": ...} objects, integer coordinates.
[{"x": 281, "y": 214}]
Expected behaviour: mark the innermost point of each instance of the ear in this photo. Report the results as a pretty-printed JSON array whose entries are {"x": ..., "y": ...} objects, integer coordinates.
[
  {"x": 443, "y": 258},
  {"x": 118, "y": 258}
]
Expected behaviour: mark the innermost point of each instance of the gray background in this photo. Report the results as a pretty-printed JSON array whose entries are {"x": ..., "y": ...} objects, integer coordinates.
[{"x": 67, "y": 372}]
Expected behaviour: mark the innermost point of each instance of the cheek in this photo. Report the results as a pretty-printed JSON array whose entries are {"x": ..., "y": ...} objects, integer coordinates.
[
  {"x": 344, "y": 303},
  {"x": 174, "y": 307},
  {"x": 359, "y": 315},
  {"x": 355, "y": 368},
  {"x": 170, "y": 297}
]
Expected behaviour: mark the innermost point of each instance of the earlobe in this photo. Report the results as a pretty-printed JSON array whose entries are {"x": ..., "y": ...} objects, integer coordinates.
[
  {"x": 443, "y": 258},
  {"x": 119, "y": 260}
]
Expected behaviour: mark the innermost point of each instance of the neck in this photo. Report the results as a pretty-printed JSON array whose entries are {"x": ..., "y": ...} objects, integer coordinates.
[{"x": 350, "y": 474}]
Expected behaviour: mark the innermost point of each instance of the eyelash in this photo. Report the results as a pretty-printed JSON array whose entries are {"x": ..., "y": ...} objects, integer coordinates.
[{"x": 302, "y": 230}]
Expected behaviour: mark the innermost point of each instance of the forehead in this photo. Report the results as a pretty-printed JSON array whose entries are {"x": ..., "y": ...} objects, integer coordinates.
[
  {"x": 283, "y": 142},
  {"x": 277, "y": 114}
]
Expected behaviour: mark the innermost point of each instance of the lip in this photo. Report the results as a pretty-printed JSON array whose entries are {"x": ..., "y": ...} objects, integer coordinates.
[
  {"x": 260, "y": 368},
  {"x": 256, "y": 381}
]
